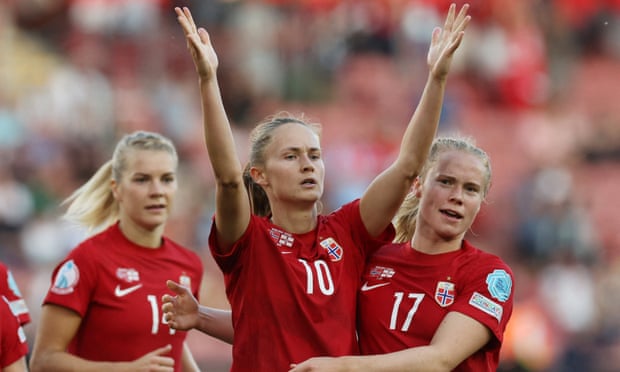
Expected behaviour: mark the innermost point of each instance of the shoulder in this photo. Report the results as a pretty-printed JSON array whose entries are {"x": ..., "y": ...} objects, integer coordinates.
[
  {"x": 481, "y": 256},
  {"x": 180, "y": 249}
]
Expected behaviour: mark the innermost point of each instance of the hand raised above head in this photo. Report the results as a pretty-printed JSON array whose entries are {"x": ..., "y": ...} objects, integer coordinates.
[
  {"x": 446, "y": 40},
  {"x": 199, "y": 44}
]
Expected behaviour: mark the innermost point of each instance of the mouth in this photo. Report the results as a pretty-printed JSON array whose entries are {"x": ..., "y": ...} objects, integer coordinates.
[
  {"x": 156, "y": 207},
  {"x": 452, "y": 214},
  {"x": 309, "y": 182}
]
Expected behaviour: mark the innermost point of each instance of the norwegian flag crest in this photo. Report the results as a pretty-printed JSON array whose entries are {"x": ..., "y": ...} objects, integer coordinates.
[
  {"x": 334, "y": 250},
  {"x": 445, "y": 293}
]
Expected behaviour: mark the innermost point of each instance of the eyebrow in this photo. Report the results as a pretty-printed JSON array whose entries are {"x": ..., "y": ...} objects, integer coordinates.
[{"x": 299, "y": 149}]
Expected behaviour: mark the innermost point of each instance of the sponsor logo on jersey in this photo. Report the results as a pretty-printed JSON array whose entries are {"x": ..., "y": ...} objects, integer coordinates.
[
  {"x": 66, "y": 279},
  {"x": 334, "y": 250},
  {"x": 185, "y": 280},
  {"x": 488, "y": 306},
  {"x": 128, "y": 275},
  {"x": 380, "y": 272},
  {"x": 445, "y": 293},
  {"x": 122, "y": 292},
  {"x": 367, "y": 287},
  {"x": 281, "y": 238},
  {"x": 499, "y": 284}
]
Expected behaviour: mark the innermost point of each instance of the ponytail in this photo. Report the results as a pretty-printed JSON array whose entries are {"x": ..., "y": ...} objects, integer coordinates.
[
  {"x": 93, "y": 205},
  {"x": 259, "y": 203}
]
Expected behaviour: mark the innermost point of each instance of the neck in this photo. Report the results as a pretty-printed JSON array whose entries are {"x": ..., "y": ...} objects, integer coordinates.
[
  {"x": 435, "y": 244},
  {"x": 295, "y": 221},
  {"x": 140, "y": 236}
]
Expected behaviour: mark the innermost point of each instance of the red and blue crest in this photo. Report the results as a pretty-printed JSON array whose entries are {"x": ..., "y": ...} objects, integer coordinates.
[
  {"x": 334, "y": 250},
  {"x": 445, "y": 293}
]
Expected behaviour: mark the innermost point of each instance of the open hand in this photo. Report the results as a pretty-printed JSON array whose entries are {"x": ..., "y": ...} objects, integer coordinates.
[
  {"x": 445, "y": 41},
  {"x": 199, "y": 44}
]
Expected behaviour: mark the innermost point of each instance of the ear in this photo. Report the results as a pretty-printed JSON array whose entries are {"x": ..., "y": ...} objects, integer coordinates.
[
  {"x": 258, "y": 176},
  {"x": 115, "y": 192},
  {"x": 417, "y": 187}
]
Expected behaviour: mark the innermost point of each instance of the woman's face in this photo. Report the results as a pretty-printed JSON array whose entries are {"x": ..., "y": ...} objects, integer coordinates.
[
  {"x": 293, "y": 170},
  {"x": 146, "y": 191},
  {"x": 451, "y": 195}
]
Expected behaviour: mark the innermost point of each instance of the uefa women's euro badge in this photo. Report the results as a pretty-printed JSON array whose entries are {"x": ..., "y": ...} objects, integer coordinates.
[{"x": 499, "y": 284}]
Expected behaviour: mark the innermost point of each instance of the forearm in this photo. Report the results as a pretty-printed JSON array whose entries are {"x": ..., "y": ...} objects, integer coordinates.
[
  {"x": 216, "y": 323},
  {"x": 218, "y": 134},
  {"x": 187, "y": 360},
  {"x": 422, "y": 127},
  {"x": 378, "y": 207},
  {"x": 61, "y": 361},
  {"x": 417, "y": 359}
]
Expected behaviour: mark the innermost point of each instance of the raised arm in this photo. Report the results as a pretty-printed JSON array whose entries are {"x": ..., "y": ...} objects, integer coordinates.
[
  {"x": 377, "y": 206},
  {"x": 232, "y": 213}
]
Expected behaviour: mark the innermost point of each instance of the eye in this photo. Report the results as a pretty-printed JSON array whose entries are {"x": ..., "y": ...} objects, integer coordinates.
[
  {"x": 315, "y": 156},
  {"x": 290, "y": 157},
  {"x": 472, "y": 189},
  {"x": 168, "y": 179}
]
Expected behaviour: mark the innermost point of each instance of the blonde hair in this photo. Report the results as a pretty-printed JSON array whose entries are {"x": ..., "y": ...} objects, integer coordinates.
[
  {"x": 260, "y": 137},
  {"x": 406, "y": 218},
  {"x": 93, "y": 205}
]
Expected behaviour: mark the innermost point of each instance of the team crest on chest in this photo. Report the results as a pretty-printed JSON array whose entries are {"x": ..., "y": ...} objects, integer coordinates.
[
  {"x": 334, "y": 250},
  {"x": 281, "y": 238},
  {"x": 445, "y": 293},
  {"x": 127, "y": 274}
]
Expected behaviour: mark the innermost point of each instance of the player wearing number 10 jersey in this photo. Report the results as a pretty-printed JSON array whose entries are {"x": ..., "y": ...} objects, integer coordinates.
[
  {"x": 318, "y": 281},
  {"x": 116, "y": 286}
]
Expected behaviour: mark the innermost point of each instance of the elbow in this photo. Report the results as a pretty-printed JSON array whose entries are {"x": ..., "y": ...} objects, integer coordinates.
[
  {"x": 443, "y": 364},
  {"x": 40, "y": 360},
  {"x": 36, "y": 364}
]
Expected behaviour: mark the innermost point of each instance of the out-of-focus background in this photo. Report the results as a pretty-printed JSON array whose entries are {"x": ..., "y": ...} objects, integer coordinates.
[{"x": 536, "y": 82}]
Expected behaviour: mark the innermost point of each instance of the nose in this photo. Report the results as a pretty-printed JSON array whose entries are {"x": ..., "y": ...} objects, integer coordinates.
[
  {"x": 157, "y": 188},
  {"x": 457, "y": 195},
  {"x": 306, "y": 164}
]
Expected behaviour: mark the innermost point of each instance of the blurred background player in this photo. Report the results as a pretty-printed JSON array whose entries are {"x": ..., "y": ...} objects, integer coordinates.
[{"x": 103, "y": 306}]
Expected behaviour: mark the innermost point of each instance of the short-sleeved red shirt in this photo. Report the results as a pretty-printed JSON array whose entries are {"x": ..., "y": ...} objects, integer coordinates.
[
  {"x": 406, "y": 294},
  {"x": 10, "y": 290},
  {"x": 12, "y": 338},
  {"x": 116, "y": 287},
  {"x": 293, "y": 296}
]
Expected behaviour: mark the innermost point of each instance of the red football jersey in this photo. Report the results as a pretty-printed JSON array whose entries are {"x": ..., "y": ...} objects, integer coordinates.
[
  {"x": 10, "y": 290},
  {"x": 293, "y": 296},
  {"x": 406, "y": 294},
  {"x": 116, "y": 287},
  {"x": 12, "y": 338}
]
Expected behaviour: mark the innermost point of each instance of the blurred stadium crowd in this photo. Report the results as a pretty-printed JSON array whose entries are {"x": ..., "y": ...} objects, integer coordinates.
[{"x": 536, "y": 83}]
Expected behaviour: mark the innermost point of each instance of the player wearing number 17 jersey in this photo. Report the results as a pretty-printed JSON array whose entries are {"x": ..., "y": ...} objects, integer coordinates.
[
  {"x": 406, "y": 294},
  {"x": 431, "y": 301}
]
